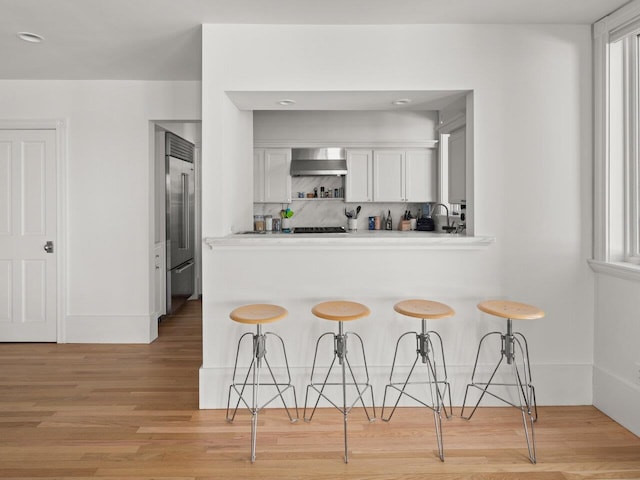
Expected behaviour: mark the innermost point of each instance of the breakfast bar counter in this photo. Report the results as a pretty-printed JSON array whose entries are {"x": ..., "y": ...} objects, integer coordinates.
[
  {"x": 357, "y": 239},
  {"x": 375, "y": 268}
]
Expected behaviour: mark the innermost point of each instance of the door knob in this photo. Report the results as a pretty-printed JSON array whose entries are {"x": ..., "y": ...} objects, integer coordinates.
[{"x": 48, "y": 247}]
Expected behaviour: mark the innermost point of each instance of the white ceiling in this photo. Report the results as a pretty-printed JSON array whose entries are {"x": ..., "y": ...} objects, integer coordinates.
[{"x": 160, "y": 39}]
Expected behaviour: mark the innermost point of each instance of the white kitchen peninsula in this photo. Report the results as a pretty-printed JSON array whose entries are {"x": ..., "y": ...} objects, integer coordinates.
[
  {"x": 521, "y": 127},
  {"x": 376, "y": 268}
]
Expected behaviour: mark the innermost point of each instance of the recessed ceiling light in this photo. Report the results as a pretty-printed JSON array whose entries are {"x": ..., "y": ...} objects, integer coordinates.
[
  {"x": 286, "y": 102},
  {"x": 30, "y": 37},
  {"x": 402, "y": 101}
]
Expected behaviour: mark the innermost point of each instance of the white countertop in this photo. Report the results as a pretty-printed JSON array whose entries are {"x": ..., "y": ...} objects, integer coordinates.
[{"x": 359, "y": 239}]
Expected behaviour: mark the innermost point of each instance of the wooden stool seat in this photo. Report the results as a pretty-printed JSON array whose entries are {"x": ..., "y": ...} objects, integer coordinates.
[
  {"x": 258, "y": 313},
  {"x": 424, "y": 309},
  {"x": 340, "y": 310},
  {"x": 510, "y": 310}
]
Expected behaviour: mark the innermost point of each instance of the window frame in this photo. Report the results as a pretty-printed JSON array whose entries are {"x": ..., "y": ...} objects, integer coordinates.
[
  {"x": 621, "y": 26},
  {"x": 630, "y": 115}
]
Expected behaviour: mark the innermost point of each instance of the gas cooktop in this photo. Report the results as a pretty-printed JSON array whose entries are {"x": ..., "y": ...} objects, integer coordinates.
[{"x": 319, "y": 230}]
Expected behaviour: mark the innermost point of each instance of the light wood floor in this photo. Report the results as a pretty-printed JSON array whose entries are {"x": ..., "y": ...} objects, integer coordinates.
[{"x": 131, "y": 412}]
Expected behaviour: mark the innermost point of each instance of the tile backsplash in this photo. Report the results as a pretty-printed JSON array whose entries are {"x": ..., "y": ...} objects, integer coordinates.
[
  {"x": 303, "y": 186},
  {"x": 329, "y": 212}
]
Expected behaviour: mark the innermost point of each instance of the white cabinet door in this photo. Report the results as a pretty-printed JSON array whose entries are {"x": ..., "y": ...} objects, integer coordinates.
[
  {"x": 388, "y": 176},
  {"x": 258, "y": 175},
  {"x": 277, "y": 167},
  {"x": 420, "y": 176},
  {"x": 271, "y": 175},
  {"x": 458, "y": 166},
  {"x": 359, "y": 182}
]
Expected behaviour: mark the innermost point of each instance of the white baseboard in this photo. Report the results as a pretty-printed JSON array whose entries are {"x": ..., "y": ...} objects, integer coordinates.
[
  {"x": 111, "y": 329},
  {"x": 554, "y": 384},
  {"x": 617, "y": 398}
]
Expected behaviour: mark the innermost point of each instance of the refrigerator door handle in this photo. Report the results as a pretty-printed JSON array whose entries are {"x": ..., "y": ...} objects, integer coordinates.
[
  {"x": 184, "y": 235},
  {"x": 184, "y": 267}
]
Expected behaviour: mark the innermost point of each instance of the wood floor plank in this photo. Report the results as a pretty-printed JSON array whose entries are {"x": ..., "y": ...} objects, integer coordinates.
[{"x": 130, "y": 412}]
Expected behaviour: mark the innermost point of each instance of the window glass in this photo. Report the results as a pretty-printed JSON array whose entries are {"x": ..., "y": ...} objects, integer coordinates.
[
  {"x": 634, "y": 213},
  {"x": 624, "y": 184},
  {"x": 616, "y": 152}
]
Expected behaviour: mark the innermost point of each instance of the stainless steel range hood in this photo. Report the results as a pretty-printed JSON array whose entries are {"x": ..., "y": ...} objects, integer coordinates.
[{"x": 318, "y": 161}]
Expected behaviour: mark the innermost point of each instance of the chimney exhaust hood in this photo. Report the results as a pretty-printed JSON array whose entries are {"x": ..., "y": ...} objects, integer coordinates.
[{"x": 318, "y": 161}]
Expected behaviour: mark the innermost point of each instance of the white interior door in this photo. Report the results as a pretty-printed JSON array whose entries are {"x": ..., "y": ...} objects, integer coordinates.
[{"x": 28, "y": 202}]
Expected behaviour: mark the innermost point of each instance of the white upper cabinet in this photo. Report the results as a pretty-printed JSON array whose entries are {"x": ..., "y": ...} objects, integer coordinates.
[
  {"x": 359, "y": 181},
  {"x": 380, "y": 175},
  {"x": 421, "y": 176},
  {"x": 271, "y": 178},
  {"x": 388, "y": 176},
  {"x": 404, "y": 176},
  {"x": 458, "y": 166}
]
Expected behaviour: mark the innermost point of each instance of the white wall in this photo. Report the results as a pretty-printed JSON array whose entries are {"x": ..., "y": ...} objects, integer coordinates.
[
  {"x": 108, "y": 180},
  {"x": 616, "y": 375},
  {"x": 532, "y": 117}
]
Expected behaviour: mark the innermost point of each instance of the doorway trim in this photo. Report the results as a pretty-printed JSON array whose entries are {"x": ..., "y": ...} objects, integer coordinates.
[{"x": 60, "y": 127}]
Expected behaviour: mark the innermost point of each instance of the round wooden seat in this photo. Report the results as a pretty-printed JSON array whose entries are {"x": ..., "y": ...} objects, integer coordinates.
[
  {"x": 510, "y": 310},
  {"x": 424, "y": 309},
  {"x": 340, "y": 310},
  {"x": 258, "y": 313}
]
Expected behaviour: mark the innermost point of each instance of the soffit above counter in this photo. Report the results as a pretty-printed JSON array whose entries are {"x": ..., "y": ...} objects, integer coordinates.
[{"x": 287, "y": 143}]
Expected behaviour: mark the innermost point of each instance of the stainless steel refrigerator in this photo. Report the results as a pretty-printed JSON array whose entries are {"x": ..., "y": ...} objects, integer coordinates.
[{"x": 180, "y": 224}]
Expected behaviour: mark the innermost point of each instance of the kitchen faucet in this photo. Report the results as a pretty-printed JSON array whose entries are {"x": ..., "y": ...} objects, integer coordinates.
[{"x": 448, "y": 227}]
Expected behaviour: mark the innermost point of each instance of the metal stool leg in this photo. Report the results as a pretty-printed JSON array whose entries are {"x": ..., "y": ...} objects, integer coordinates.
[
  {"x": 445, "y": 380},
  {"x": 526, "y": 397},
  {"x": 312, "y": 384},
  {"x": 392, "y": 384},
  {"x": 527, "y": 373},
  {"x": 526, "y": 416},
  {"x": 233, "y": 384},
  {"x": 435, "y": 399},
  {"x": 425, "y": 352},
  {"x": 367, "y": 383},
  {"x": 258, "y": 351},
  {"x": 340, "y": 354},
  {"x": 288, "y": 383},
  {"x": 524, "y": 389},
  {"x": 258, "y": 357},
  {"x": 342, "y": 351},
  {"x": 473, "y": 374}
]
